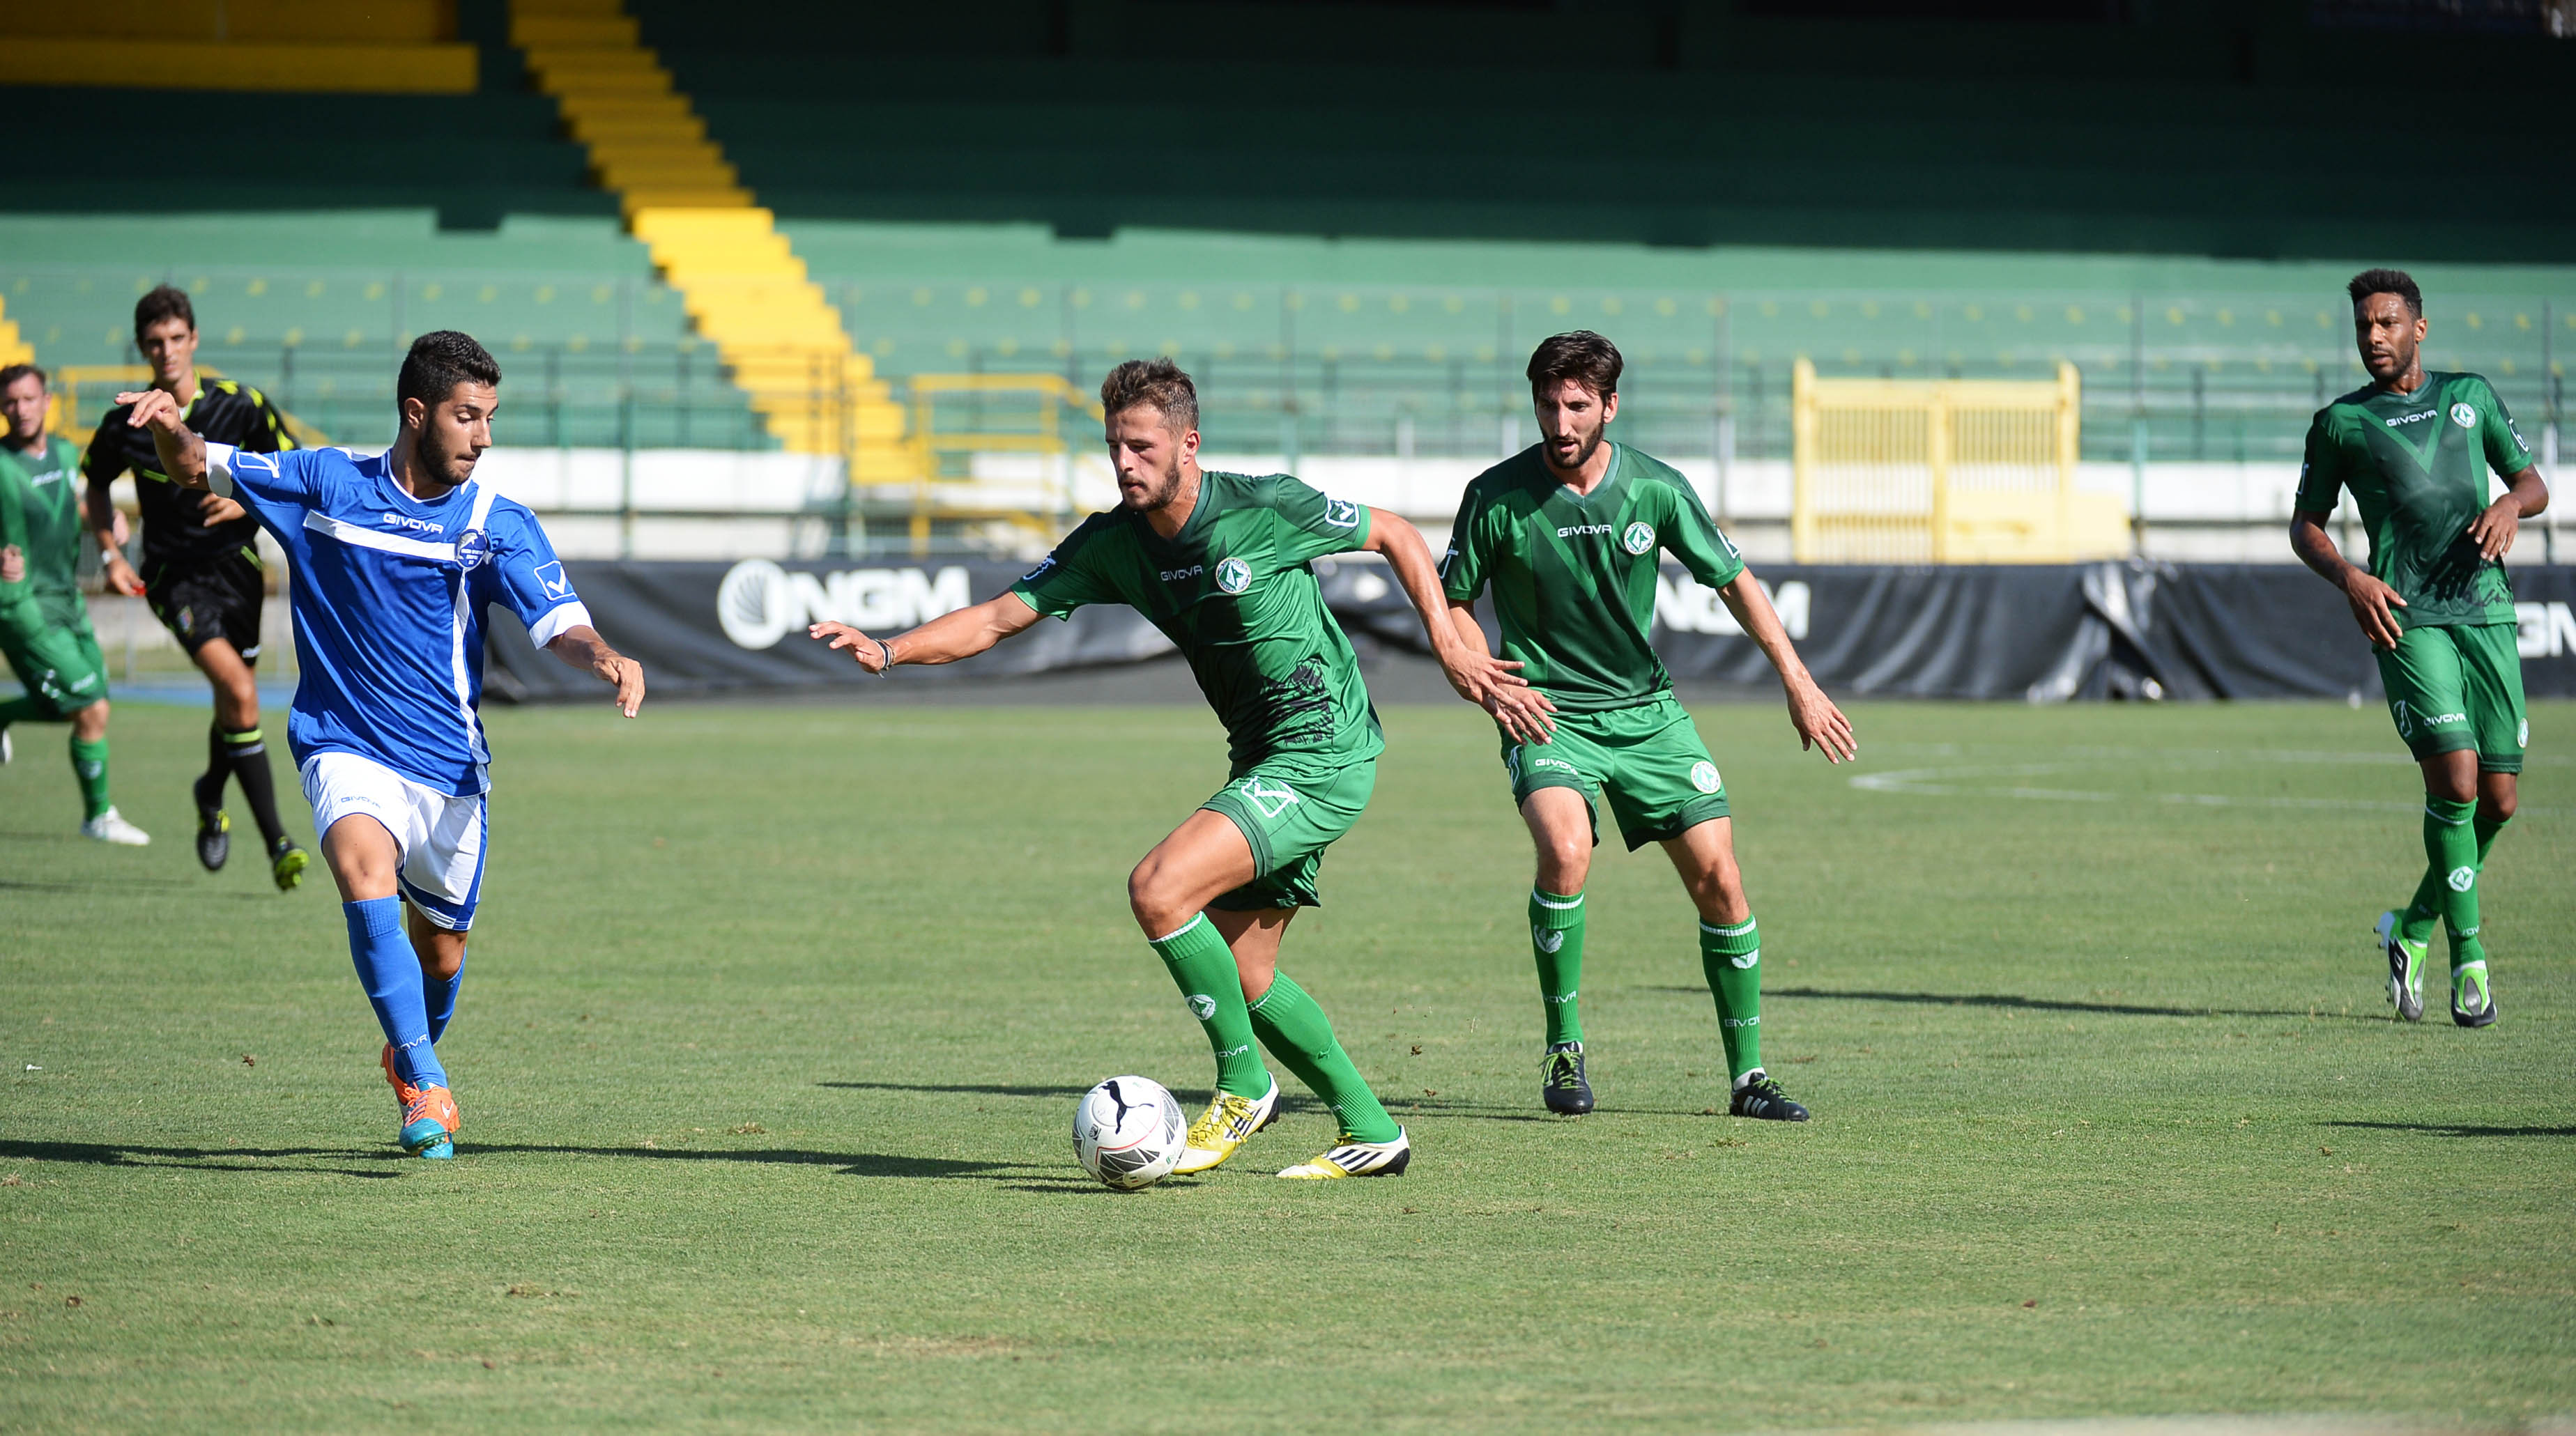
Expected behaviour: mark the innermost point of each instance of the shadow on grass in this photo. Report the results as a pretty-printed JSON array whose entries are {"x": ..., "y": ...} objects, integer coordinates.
[
  {"x": 1292, "y": 1104},
  {"x": 2027, "y": 1004},
  {"x": 2456, "y": 1129},
  {"x": 202, "y": 1159},
  {"x": 125, "y": 888},
  {"x": 241, "y": 1159}
]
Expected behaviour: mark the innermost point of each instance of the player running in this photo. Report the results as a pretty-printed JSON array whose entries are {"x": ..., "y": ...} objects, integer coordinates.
[
  {"x": 1568, "y": 534},
  {"x": 1221, "y": 563},
  {"x": 2414, "y": 448},
  {"x": 201, "y": 567},
  {"x": 396, "y": 558},
  {"x": 44, "y": 625}
]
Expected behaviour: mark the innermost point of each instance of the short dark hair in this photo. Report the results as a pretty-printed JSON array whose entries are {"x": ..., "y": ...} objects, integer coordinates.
[
  {"x": 438, "y": 362},
  {"x": 16, "y": 372},
  {"x": 2387, "y": 281},
  {"x": 1583, "y": 356},
  {"x": 165, "y": 301},
  {"x": 1158, "y": 382}
]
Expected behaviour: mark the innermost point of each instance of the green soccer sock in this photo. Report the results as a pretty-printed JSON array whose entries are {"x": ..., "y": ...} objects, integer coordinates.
[
  {"x": 2486, "y": 829},
  {"x": 1298, "y": 1034},
  {"x": 89, "y": 766},
  {"x": 1556, "y": 939},
  {"x": 1731, "y": 955},
  {"x": 1203, "y": 966},
  {"x": 2451, "y": 873},
  {"x": 20, "y": 710}
]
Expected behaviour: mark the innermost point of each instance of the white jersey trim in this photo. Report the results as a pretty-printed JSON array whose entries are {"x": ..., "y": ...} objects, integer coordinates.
[
  {"x": 474, "y": 523},
  {"x": 219, "y": 469},
  {"x": 556, "y": 621},
  {"x": 350, "y": 533}
]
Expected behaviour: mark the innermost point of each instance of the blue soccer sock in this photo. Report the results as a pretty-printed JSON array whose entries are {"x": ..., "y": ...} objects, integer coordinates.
[
  {"x": 390, "y": 972},
  {"x": 442, "y": 999}
]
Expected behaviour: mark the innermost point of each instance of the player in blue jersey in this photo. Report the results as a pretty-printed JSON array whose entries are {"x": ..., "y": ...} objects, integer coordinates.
[{"x": 395, "y": 558}]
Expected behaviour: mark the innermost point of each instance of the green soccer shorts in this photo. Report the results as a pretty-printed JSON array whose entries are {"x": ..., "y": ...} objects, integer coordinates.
[
  {"x": 2454, "y": 688},
  {"x": 59, "y": 663},
  {"x": 1646, "y": 758},
  {"x": 1290, "y": 811}
]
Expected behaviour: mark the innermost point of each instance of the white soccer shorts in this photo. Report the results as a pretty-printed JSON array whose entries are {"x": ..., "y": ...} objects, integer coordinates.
[{"x": 440, "y": 835}]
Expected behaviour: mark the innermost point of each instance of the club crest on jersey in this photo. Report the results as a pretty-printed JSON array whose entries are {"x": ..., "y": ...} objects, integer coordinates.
[
  {"x": 550, "y": 577},
  {"x": 1043, "y": 565},
  {"x": 472, "y": 547},
  {"x": 2465, "y": 415},
  {"x": 1269, "y": 795},
  {"x": 1341, "y": 513},
  {"x": 1234, "y": 575},
  {"x": 1704, "y": 776},
  {"x": 1639, "y": 538}
]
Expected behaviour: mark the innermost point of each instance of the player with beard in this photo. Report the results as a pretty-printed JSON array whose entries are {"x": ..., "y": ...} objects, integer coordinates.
[
  {"x": 396, "y": 558},
  {"x": 1222, "y": 564},
  {"x": 1569, "y": 534},
  {"x": 201, "y": 568},
  {"x": 2415, "y": 448}
]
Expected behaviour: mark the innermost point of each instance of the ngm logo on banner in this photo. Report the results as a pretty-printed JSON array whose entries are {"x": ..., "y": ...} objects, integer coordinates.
[{"x": 759, "y": 603}]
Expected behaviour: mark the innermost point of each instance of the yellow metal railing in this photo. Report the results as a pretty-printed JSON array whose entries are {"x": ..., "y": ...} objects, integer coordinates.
[
  {"x": 1896, "y": 471},
  {"x": 1035, "y": 419}
]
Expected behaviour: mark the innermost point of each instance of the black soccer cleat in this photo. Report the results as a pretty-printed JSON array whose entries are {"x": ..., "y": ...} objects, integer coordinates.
[
  {"x": 214, "y": 830},
  {"x": 1762, "y": 1098},
  {"x": 1560, "y": 1080}
]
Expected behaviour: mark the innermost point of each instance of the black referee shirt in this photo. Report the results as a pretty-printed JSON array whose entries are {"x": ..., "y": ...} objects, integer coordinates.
[{"x": 173, "y": 528}]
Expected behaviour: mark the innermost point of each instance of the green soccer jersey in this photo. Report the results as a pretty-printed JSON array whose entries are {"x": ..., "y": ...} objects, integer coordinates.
[
  {"x": 1235, "y": 591},
  {"x": 2417, "y": 467},
  {"x": 1574, "y": 574},
  {"x": 40, "y": 513}
]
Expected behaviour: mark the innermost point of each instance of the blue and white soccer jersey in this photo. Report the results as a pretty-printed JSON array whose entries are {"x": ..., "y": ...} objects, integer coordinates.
[{"x": 389, "y": 595}]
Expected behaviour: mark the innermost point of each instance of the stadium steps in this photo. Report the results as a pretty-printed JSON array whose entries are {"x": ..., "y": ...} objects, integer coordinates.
[
  {"x": 13, "y": 349},
  {"x": 384, "y": 47},
  {"x": 740, "y": 281}
]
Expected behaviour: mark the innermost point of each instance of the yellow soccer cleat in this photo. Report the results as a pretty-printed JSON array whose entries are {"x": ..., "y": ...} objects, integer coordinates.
[
  {"x": 1357, "y": 1159},
  {"x": 1221, "y": 1131}
]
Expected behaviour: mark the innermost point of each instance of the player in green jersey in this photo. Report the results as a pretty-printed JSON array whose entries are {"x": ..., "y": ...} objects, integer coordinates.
[
  {"x": 2414, "y": 448},
  {"x": 1222, "y": 564},
  {"x": 1569, "y": 534},
  {"x": 44, "y": 626}
]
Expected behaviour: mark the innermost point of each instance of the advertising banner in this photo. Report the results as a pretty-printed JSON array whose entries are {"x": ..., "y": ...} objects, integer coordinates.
[{"x": 2029, "y": 633}]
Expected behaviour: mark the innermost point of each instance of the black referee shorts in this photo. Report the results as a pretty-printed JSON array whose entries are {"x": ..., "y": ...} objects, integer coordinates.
[{"x": 210, "y": 599}]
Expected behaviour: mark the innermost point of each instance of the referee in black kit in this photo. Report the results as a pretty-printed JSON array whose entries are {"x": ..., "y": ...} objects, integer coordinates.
[{"x": 201, "y": 568}]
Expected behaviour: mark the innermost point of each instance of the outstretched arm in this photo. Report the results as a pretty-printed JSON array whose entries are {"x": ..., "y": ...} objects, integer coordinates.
[
  {"x": 1479, "y": 677},
  {"x": 2370, "y": 599},
  {"x": 945, "y": 639},
  {"x": 582, "y": 647},
  {"x": 1819, "y": 723},
  {"x": 183, "y": 454}
]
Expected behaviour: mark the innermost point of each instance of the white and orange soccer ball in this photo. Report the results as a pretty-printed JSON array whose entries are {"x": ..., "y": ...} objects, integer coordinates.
[{"x": 1129, "y": 1132}]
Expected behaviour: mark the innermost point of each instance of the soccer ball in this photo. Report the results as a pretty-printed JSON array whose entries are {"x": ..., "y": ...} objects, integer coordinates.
[{"x": 1129, "y": 1132}]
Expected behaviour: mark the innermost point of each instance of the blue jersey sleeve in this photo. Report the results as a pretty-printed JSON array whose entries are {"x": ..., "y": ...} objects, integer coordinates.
[
  {"x": 255, "y": 479},
  {"x": 523, "y": 575}
]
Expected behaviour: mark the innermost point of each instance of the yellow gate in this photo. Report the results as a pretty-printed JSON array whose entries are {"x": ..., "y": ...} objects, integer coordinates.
[{"x": 1896, "y": 471}]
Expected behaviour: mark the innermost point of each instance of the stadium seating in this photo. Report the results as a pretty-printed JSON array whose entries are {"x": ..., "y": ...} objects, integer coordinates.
[{"x": 386, "y": 47}]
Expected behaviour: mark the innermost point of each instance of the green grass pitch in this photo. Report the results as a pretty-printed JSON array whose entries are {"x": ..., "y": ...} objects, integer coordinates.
[{"x": 776, "y": 1016}]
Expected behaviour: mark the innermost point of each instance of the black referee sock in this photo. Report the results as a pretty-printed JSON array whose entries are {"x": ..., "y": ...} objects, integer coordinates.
[
  {"x": 219, "y": 767},
  {"x": 247, "y": 753}
]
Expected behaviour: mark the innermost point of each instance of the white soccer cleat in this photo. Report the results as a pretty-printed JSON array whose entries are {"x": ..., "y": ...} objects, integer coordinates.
[
  {"x": 111, "y": 827},
  {"x": 1356, "y": 1159},
  {"x": 8, "y": 750}
]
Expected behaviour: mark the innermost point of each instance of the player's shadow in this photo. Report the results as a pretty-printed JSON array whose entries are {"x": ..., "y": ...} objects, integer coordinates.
[
  {"x": 1291, "y": 1104},
  {"x": 194, "y": 892},
  {"x": 390, "y": 1163},
  {"x": 2012, "y": 1000},
  {"x": 2456, "y": 1129},
  {"x": 207, "y": 1159}
]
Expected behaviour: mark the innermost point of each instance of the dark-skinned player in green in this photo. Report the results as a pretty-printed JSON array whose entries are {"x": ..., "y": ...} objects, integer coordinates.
[
  {"x": 44, "y": 624},
  {"x": 2414, "y": 448},
  {"x": 1222, "y": 564},
  {"x": 1570, "y": 535}
]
